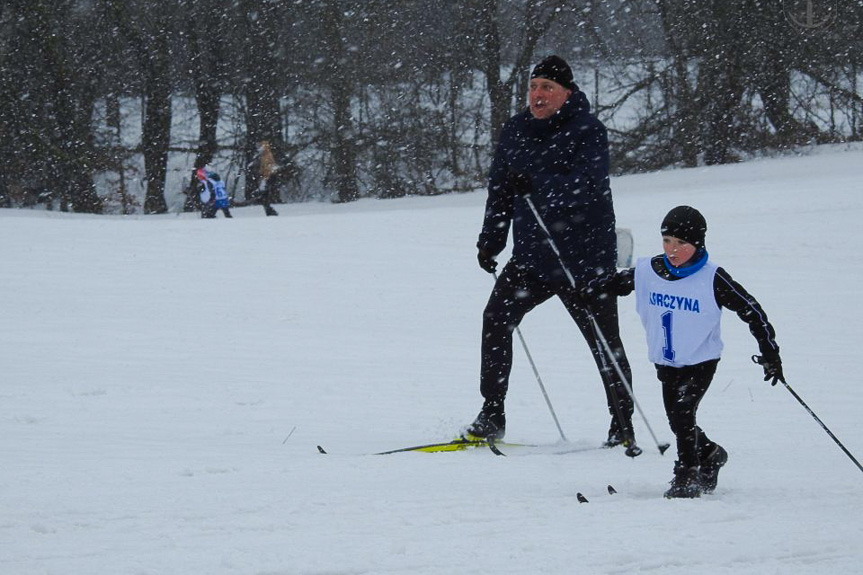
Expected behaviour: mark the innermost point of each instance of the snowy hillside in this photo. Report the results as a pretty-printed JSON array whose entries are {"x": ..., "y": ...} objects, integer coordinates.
[{"x": 166, "y": 381}]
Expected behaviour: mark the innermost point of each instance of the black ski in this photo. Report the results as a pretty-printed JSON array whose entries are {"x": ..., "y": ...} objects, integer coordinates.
[
  {"x": 458, "y": 444},
  {"x": 496, "y": 447}
]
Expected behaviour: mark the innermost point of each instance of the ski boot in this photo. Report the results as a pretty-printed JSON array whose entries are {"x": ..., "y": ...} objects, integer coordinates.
[
  {"x": 710, "y": 467},
  {"x": 686, "y": 483},
  {"x": 489, "y": 424}
]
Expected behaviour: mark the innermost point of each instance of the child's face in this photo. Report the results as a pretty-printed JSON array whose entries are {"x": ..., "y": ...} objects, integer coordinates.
[{"x": 677, "y": 251}]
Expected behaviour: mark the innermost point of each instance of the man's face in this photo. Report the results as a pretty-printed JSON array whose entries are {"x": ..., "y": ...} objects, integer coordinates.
[{"x": 546, "y": 97}]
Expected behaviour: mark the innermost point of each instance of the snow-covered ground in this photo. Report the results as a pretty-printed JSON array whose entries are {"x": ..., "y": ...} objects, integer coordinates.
[{"x": 166, "y": 380}]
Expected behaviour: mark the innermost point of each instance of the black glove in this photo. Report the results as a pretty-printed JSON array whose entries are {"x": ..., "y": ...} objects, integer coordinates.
[
  {"x": 520, "y": 184},
  {"x": 593, "y": 289},
  {"x": 486, "y": 260},
  {"x": 772, "y": 365},
  {"x": 579, "y": 295}
]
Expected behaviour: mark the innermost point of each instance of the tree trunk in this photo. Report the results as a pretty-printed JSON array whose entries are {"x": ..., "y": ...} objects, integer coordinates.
[
  {"x": 206, "y": 65},
  {"x": 538, "y": 17},
  {"x": 722, "y": 89},
  {"x": 774, "y": 87},
  {"x": 682, "y": 98},
  {"x": 500, "y": 96},
  {"x": 150, "y": 37},
  {"x": 342, "y": 145},
  {"x": 262, "y": 91},
  {"x": 71, "y": 96},
  {"x": 76, "y": 158},
  {"x": 344, "y": 151},
  {"x": 157, "y": 127},
  {"x": 776, "y": 48}
]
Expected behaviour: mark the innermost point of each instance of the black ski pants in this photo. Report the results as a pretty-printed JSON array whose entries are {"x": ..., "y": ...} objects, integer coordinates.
[
  {"x": 517, "y": 292},
  {"x": 209, "y": 210},
  {"x": 682, "y": 391}
]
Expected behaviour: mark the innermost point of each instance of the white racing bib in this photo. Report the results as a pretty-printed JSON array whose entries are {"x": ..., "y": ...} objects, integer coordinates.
[{"x": 681, "y": 318}]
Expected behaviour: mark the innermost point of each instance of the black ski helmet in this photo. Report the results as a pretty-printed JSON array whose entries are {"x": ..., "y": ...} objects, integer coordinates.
[{"x": 685, "y": 223}]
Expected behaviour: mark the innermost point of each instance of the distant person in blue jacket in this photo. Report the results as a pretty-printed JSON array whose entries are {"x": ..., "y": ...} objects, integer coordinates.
[
  {"x": 213, "y": 195},
  {"x": 557, "y": 152}
]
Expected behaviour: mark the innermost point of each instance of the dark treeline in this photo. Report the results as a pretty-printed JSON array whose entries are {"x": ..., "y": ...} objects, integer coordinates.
[{"x": 384, "y": 98}]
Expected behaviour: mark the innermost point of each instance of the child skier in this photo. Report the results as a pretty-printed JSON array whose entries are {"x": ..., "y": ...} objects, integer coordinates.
[
  {"x": 211, "y": 190},
  {"x": 679, "y": 296}
]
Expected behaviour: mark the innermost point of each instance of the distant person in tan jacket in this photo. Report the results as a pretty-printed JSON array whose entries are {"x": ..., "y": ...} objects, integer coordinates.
[{"x": 266, "y": 168}]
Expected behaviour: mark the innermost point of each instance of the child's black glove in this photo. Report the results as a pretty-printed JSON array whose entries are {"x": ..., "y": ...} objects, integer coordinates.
[
  {"x": 772, "y": 365},
  {"x": 486, "y": 260}
]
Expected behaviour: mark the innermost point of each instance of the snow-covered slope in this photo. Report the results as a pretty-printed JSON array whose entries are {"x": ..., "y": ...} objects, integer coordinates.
[{"x": 166, "y": 380}]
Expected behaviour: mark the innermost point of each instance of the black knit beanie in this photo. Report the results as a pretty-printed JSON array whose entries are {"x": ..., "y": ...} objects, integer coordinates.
[
  {"x": 687, "y": 224},
  {"x": 556, "y": 69}
]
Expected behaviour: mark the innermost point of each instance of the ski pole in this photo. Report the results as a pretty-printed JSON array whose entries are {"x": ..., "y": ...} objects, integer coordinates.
[
  {"x": 632, "y": 449},
  {"x": 538, "y": 378},
  {"x": 818, "y": 419},
  {"x": 662, "y": 447},
  {"x": 824, "y": 427}
]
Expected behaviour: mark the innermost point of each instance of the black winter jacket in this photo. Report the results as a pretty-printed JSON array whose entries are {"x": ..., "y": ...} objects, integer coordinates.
[{"x": 566, "y": 159}]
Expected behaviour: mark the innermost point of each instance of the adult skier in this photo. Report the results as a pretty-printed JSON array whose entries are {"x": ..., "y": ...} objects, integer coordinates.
[{"x": 556, "y": 152}]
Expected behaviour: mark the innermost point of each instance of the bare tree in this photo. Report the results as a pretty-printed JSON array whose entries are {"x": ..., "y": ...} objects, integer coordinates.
[
  {"x": 206, "y": 22},
  {"x": 525, "y": 22},
  {"x": 156, "y": 62},
  {"x": 148, "y": 27},
  {"x": 338, "y": 79},
  {"x": 262, "y": 86},
  {"x": 406, "y": 97},
  {"x": 53, "y": 68}
]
